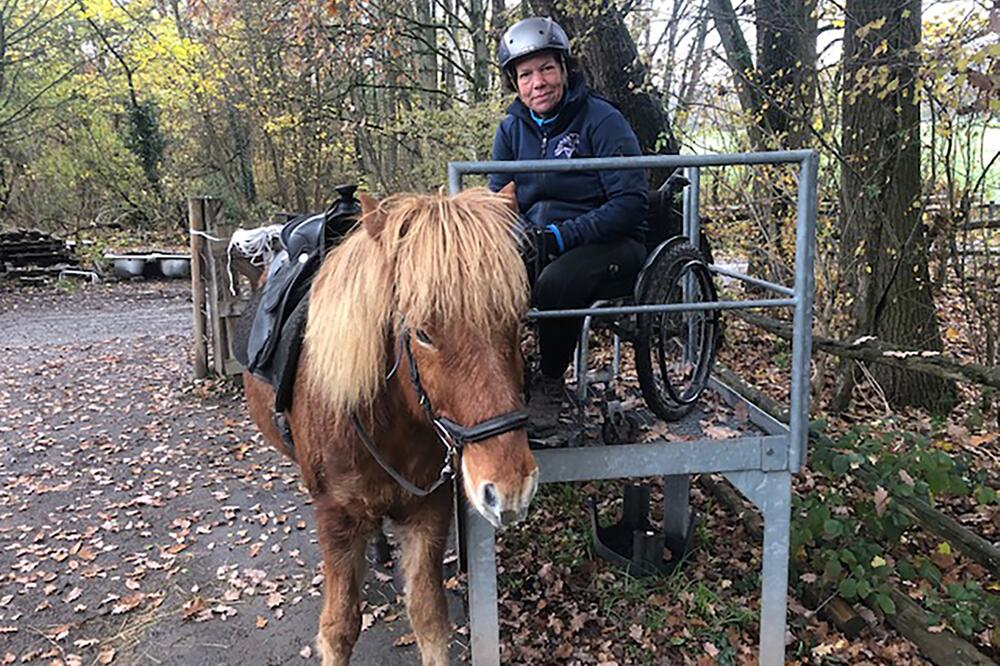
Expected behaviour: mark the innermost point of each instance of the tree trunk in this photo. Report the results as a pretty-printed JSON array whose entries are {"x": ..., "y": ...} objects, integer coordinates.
[
  {"x": 883, "y": 258},
  {"x": 740, "y": 61},
  {"x": 427, "y": 48},
  {"x": 786, "y": 70},
  {"x": 480, "y": 54}
]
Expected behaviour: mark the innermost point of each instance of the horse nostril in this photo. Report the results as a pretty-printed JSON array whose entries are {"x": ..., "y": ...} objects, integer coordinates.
[
  {"x": 508, "y": 517},
  {"x": 489, "y": 495}
]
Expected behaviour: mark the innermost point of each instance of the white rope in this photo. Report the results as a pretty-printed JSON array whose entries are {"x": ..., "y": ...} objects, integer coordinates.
[
  {"x": 198, "y": 232},
  {"x": 256, "y": 244},
  {"x": 253, "y": 244}
]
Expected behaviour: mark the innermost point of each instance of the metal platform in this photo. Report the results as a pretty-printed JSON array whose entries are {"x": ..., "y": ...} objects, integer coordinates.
[{"x": 759, "y": 466}]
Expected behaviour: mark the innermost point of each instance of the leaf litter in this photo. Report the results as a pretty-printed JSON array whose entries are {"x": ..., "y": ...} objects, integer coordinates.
[{"x": 147, "y": 507}]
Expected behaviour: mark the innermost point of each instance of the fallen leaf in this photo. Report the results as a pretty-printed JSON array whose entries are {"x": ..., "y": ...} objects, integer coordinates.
[
  {"x": 404, "y": 640},
  {"x": 106, "y": 656},
  {"x": 261, "y": 621},
  {"x": 881, "y": 500},
  {"x": 192, "y": 607}
]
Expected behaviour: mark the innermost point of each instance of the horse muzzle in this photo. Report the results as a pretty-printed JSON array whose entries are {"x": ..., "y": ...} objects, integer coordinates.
[{"x": 502, "y": 504}]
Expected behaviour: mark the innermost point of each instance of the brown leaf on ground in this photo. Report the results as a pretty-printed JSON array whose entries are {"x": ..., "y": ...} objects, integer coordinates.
[
  {"x": 881, "y": 498},
  {"x": 192, "y": 607}
]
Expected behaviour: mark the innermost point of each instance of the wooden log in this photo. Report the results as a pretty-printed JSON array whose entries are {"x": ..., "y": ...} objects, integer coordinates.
[
  {"x": 836, "y": 610},
  {"x": 876, "y": 351},
  {"x": 910, "y": 620},
  {"x": 930, "y": 519},
  {"x": 196, "y": 223},
  {"x": 943, "y": 648}
]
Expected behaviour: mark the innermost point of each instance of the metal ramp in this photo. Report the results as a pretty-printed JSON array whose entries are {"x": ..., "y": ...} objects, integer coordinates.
[{"x": 761, "y": 467}]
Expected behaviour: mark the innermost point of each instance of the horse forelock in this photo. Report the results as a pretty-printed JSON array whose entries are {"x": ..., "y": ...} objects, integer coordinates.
[
  {"x": 456, "y": 259},
  {"x": 438, "y": 259}
]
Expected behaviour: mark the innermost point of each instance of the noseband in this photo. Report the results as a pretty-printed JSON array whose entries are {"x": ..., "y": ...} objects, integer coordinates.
[{"x": 452, "y": 435}]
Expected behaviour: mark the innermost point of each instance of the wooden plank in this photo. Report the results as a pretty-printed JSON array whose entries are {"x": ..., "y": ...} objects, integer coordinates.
[
  {"x": 196, "y": 223},
  {"x": 216, "y": 268}
]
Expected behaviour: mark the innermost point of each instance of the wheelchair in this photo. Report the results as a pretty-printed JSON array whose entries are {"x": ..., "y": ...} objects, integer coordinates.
[{"x": 674, "y": 351}]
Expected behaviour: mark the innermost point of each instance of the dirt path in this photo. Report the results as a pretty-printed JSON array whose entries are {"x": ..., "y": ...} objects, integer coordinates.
[{"x": 141, "y": 520}]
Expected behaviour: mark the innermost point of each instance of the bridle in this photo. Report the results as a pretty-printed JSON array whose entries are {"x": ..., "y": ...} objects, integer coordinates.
[{"x": 451, "y": 434}]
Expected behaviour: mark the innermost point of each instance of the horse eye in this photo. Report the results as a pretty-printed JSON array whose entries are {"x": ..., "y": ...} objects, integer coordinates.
[{"x": 423, "y": 338}]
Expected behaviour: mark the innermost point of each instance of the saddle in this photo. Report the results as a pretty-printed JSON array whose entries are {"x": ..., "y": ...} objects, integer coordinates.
[{"x": 268, "y": 339}]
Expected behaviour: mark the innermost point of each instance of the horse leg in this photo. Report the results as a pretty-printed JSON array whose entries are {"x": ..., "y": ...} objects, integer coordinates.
[
  {"x": 425, "y": 535},
  {"x": 343, "y": 544}
]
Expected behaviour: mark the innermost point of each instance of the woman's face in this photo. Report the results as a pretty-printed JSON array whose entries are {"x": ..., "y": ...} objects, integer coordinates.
[{"x": 541, "y": 81}]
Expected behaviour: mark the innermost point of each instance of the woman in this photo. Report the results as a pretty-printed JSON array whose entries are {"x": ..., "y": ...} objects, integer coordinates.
[{"x": 588, "y": 225}]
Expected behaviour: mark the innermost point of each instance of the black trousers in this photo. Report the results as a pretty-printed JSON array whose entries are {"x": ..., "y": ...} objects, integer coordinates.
[{"x": 575, "y": 280}]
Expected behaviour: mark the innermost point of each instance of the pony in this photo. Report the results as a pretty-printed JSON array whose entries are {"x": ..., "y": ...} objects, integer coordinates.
[{"x": 411, "y": 359}]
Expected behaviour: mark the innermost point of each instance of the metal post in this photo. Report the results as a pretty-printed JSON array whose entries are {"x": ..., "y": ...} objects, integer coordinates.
[
  {"x": 454, "y": 180},
  {"x": 772, "y": 493},
  {"x": 676, "y": 511},
  {"x": 582, "y": 361},
  {"x": 805, "y": 235},
  {"x": 616, "y": 357},
  {"x": 692, "y": 218},
  {"x": 483, "y": 622}
]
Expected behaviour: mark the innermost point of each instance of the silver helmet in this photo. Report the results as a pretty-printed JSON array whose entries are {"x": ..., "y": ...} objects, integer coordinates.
[{"x": 530, "y": 36}]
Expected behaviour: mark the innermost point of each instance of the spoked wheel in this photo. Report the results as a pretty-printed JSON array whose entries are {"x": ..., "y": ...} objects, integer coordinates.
[{"x": 675, "y": 351}]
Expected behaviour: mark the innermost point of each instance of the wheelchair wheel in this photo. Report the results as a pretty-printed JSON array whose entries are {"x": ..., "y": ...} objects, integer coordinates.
[{"x": 675, "y": 351}]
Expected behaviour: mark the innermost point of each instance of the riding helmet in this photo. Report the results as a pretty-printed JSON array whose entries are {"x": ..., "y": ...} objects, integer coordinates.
[{"x": 529, "y": 36}]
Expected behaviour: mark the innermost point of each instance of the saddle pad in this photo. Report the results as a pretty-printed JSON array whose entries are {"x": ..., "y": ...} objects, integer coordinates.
[
  {"x": 279, "y": 369},
  {"x": 241, "y": 334},
  {"x": 285, "y": 360}
]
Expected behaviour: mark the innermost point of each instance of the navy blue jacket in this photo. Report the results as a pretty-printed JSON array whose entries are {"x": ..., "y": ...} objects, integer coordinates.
[{"x": 584, "y": 206}]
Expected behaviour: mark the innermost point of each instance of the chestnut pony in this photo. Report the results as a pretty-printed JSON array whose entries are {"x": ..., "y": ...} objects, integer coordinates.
[{"x": 411, "y": 355}]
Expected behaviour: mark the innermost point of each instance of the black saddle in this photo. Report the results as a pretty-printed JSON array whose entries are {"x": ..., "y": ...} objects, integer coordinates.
[{"x": 268, "y": 338}]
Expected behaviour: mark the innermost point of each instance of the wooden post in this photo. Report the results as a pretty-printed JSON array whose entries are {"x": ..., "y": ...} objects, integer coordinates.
[
  {"x": 196, "y": 224},
  {"x": 216, "y": 266}
]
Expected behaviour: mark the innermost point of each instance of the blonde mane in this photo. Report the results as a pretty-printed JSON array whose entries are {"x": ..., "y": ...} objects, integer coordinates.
[{"x": 437, "y": 259}]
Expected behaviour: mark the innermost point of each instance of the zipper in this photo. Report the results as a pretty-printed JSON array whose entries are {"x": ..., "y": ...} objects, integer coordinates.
[{"x": 545, "y": 142}]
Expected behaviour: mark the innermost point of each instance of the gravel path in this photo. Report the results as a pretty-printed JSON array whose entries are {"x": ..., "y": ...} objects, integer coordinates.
[{"x": 142, "y": 521}]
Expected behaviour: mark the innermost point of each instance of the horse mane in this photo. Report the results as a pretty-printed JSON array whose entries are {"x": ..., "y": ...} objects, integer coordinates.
[{"x": 438, "y": 259}]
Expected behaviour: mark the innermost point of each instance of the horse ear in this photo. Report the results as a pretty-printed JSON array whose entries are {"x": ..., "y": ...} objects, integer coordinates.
[
  {"x": 372, "y": 217},
  {"x": 508, "y": 193}
]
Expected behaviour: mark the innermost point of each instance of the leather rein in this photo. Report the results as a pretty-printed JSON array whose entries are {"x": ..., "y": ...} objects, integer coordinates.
[{"x": 453, "y": 436}]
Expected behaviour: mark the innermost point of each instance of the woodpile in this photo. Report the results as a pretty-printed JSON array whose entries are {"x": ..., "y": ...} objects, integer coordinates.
[{"x": 31, "y": 253}]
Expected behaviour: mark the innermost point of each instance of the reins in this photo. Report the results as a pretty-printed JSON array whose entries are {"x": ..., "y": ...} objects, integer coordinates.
[{"x": 454, "y": 436}]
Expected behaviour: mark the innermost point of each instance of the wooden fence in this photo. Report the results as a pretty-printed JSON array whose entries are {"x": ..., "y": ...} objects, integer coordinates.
[{"x": 221, "y": 284}]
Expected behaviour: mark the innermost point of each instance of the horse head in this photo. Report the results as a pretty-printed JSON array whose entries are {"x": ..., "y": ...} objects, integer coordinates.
[{"x": 458, "y": 296}]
